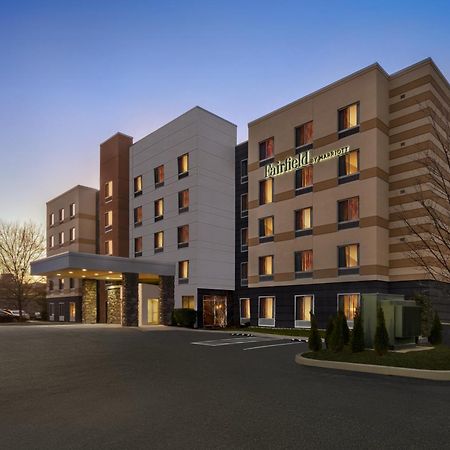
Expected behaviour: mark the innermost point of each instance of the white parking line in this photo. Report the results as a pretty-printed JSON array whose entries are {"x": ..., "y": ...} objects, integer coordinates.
[
  {"x": 272, "y": 345},
  {"x": 232, "y": 341}
]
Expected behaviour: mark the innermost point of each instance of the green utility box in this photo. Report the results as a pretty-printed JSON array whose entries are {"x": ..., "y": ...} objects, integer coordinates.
[{"x": 402, "y": 318}]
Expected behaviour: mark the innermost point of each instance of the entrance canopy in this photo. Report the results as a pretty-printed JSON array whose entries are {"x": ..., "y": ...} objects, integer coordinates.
[{"x": 100, "y": 267}]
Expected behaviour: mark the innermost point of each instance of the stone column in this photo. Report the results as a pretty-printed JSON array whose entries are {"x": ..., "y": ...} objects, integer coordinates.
[
  {"x": 114, "y": 304},
  {"x": 130, "y": 316},
  {"x": 89, "y": 301},
  {"x": 166, "y": 299}
]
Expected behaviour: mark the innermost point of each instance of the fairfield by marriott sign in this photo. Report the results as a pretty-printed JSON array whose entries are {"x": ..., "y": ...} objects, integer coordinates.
[{"x": 302, "y": 159}]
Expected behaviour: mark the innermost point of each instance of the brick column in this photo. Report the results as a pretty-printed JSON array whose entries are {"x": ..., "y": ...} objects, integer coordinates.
[
  {"x": 166, "y": 299},
  {"x": 114, "y": 304},
  {"x": 130, "y": 305},
  {"x": 89, "y": 301}
]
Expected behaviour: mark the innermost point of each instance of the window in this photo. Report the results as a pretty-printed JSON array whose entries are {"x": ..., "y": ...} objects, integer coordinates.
[
  {"x": 72, "y": 210},
  {"x": 244, "y": 171},
  {"x": 348, "y": 303},
  {"x": 108, "y": 247},
  {"x": 61, "y": 283},
  {"x": 266, "y": 268},
  {"x": 159, "y": 176},
  {"x": 183, "y": 201},
  {"x": 183, "y": 271},
  {"x": 303, "y": 180},
  {"x": 188, "y": 301},
  {"x": 348, "y": 259},
  {"x": 266, "y": 311},
  {"x": 52, "y": 241},
  {"x": 138, "y": 216},
  {"x": 266, "y": 229},
  {"x": 159, "y": 209},
  {"x": 61, "y": 215},
  {"x": 303, "y": 263},
  {"x": 108, "y": 190},
  {"x": 50, "y": 285},
  {"x": 183, "y": 165},
  {"x": 138, "y": 185},
  {"x": 138, "y": 246},
  {"x": 245, "y": 309},
  {"x": 108, "y": 220},
  {"x": 304, "y": 306},
  {"x": 72, "y": 235},
  {"x": 183, "y": 236},
  {"x": 304, "y": 134},
  {"x": 348, "y": 119},
  {"x": 244, "y": 239},
  {"x": 348, "y": 213},
  {"x": 61, "y": 238},
  {"x": 61, "y": 311},
  {"x": 266, "y": 191},
  {"x": 244, "y": 205},
  {"x": 244, "y": 274},
  {"x": 158, "y": 239},
  {"x": 266, "y": 151},
  {"x": 303, "y": 222},
  {"x": 51, "y": 310},
  {"x": 51, "y": 219},
  {"x": 71, "y": 283},
  {"x": 349, "y": 167}
]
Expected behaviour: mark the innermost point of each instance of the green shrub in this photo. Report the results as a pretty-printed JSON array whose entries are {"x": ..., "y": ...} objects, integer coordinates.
[
  {"x": 381, "y": 341},
  {"x": 435, "y": 337},
  {"x": 426, "y": 314},
  {"x": 184, "y": 317},
  {"x": 337, "y": 335},
  {"x": 357, "y": 341},
  {"x": 314, "y": 341},
  {"x": 345, "y": 329},
  {"x": 328, "y": 332}
]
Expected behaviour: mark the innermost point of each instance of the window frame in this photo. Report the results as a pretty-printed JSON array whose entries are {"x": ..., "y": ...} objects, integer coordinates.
[
  {"x": 183, "y": 209},
  {"x": 303, "y": 323},
  {"x": 353, "y": 270},
  {"x": 267, "y": 160},
  {"x": 244, "y": 320},
  {"x": 265, "y": 322},
  {"x": 263, "y": 189},
  {"x": 161, "y": 216},
  {"x": 352, "y": 176},
  {"x": 244, "y": 281},
  {"x": 350, "y": 322},
  {"x": 72, "y": 210},
  {"x": 138, "y": 253},
  {"x": 299, "y": 190},
  {"x": 353, "y": 129},
  {"x": 182, "y": 244},
  {"x": 136, "y": 190},
  {"x": 186, "y": 172},
  {"x": 158, "y": 183},
  {"x": 244, "y": 213},
  {"x": 158, "y": 249},
  {"x": 183, "y": 280},
  {"x": 303, "y": 231},
  {"x": 244, "y": 246},
  {"x": 266, "y": 277},
  {"x": 344, "y": 224},
  {"x": 108, "y": 186},
  {"x": 308, "y": 145},
  {"x": 72, "y": 234},
  {"x": 244, "y": 178},
  {"x": 268, "y": 238},
  {"x": 138, "y": 223},
  {"x": 108, "y": 223},
  {"x": 303, "y": 273}
]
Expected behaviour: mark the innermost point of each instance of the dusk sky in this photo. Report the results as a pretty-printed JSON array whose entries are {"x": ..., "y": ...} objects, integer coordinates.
[{"x": 75, "y": 72}]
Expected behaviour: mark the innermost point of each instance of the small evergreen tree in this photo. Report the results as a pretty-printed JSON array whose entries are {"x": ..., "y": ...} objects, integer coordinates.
[
  {"x": 337, "y": 335},
  {"x": 328, "y": 332},
  {"x": 435, "y": 337},
  {"x": 345, "y": 329},
  {"x": 381, "y": 341},
  {"x": 426, "y": 314},
  {"x": 357, "y": 341},
  {"x": 314, "y": 341}
]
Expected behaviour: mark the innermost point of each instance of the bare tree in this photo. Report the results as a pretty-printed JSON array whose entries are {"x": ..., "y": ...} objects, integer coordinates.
[{"x": 20, "y": 244}]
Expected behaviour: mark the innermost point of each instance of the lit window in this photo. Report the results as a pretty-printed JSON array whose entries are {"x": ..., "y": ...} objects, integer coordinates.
[
  {"x": 61, "y": 238},
  {"x": 266, "y": 150},
  {"x": 61, "y": 215},
  {"x": 138, "y": 185},
  {"x": 108, "y": 220},
  {"x": 304, "y": 179},
  {"x": 348, "y": 256},
  {"x": 244, "y": 239},
  {"x": 349, "y": 164},
  {"x": 138, "y": 216},
  {"x": 348, "y": 303},
  {"x": 303, "y": 221},
  {"x": 304, "y": 306},
  {"x": 244, "y": 171},
  {"x": 304, "y": 134},
  {"x": 72, "y": 235},
  {"x": 245, "y": 308},
  {"x": 266, "y": 313},
  {"x": 244, "y": 273},
  {"x": 51, "y": 219},
  {"x": 138, "y": 246},
  {"x": 303, "y": 262},
  {"x": 108, "y": 247},
  {"x": 183, "y": 236},
  {"x": 188, "y": 301},
  {"x": 183, "y": 271},
  {"x": 108, "y": 190},
  {"x": 244, "y": 205},
  {"x": 266, "y": 267},
  {"x": 61, "y": 283},
  {"x": 52, "y": 241},
  {"x": 266, "y": 191},
  {"x": 183, "y": 165},
  {"x": 348, "y": 210},
  {"x": 159, "y": 209},
  {"x": 72, "y": 210},
  {"x": 158, "y": 239},
  {"x": 183, "y": 201},
  {"x": 348, "y": 117},
  {"x": 266, "y": 229},
  {"x": 159, "y": 176}
]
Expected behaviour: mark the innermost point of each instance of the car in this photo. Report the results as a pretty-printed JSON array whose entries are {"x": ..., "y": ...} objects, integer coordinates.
[
  {"x": 6, "y": 316},
  {"x": 16, "y": 314}
]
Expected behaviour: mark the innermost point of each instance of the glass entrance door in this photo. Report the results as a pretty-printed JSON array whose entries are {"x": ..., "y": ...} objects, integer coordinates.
[
  {"x": 215, "y": 311},
  {"x": 72, "y": 312},
  {"x": 153, "y": 311}
]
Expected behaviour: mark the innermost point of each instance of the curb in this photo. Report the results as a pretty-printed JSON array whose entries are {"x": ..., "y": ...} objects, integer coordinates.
[{"x": 424, "y": 374}]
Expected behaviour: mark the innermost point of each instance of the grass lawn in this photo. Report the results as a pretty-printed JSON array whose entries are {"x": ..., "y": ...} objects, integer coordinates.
[
  {"x": 435, "y": 359},
  {"x": 279, "y": 331}
]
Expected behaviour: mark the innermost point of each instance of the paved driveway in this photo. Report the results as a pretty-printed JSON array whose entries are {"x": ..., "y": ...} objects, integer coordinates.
[{"x": 97, "y": 387}]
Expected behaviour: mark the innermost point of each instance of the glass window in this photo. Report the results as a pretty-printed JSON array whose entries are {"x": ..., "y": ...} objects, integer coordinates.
[
  {"x": 244, "y": 171},
  {"x": 183, "y": 201},
  {"x": 108, "y": 219},
  {"x": 303, "y": 219},
  {"x": 51, "y": 219},
  {"x": 244, "y": 205},
  {"x": 61, "y": 283},
  {"x": 266, "y": 227},
  {"x": 244, "y": 239},
  {"x": 183, "y": 236},
  {"x": 52, "y": 241},
  {"x": 304, "y": 177},
  {"x": 50, "y": 285},
  {"x": 188, "y": 301},
  {"x": 266, "y": 307},
  {"x": 159, "y": 209},
  {"x": 61, "y": 238},
  {"x": 266, "y": 265},
  {"x": 349, "y": 256},
  {"x": 108, "y": 190},
  {"x": 348, "y": 303},
  {"x": 138, "y": 216},
  {"x": 304, "y": 134},
  {"x": 138, "y": 246},
  {"x": 304, "y": 306},
  {"x": 348, "y": 209},
  {"x": 71, "y": 283},
  {"x": 158, "y": 239},
  {"x": 183, "y": 165},
  {"x": 349, "y": 164},
  {"x": 72, "y": 234},
  {"x": 266, "y": 191},
  {"x": 108, "y": 247},
  {"x": 51, "y": 311},
  {"x": 244, "y": 272},
  {"x": 304, "y": 261},
  {"x": 183, "y": 270},
  {"x": 72, "y": 210},
  {"x": 138, "y": 185},
  {"x": 245, "y": 308},
  {"x": 348, "y": 117},
  {"x": 159, "y": 176},
  {"x": 61, "y": 215},
  {"x": 266, "y": 150},
  {"x": 61, "y": 309}
]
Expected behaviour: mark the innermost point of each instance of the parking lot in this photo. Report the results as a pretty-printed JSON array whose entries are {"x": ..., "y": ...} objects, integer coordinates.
[{"x": 81, "y": 386}]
